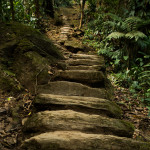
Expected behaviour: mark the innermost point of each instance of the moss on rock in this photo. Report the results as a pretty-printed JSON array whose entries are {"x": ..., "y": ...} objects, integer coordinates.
[{"x": 27, "y": 53}]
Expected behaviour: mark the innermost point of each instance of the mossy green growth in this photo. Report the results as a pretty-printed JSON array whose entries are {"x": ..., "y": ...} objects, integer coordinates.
[
  {"x": 9, "y": 83},
  {"x": 37, "y": 59},
  {"x": 22, "y": 30},
  {"x": 25, "y": 51},
  {"x": 24, "y": 45},
  {"x": 129, "y": 126},
  {"x": 32, "y": 38}
]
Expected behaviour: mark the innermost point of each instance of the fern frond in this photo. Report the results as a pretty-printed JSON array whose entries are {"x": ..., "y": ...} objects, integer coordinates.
[
  {"x": 136, "y": 35},
  {"x": 147, "y": 65},
  {"x": 109, "y": 23},
  {"x": 133, "y": 19},
  {"x": 144, "y": 44},
  {"x": 113, "y": 17},
  {"x": 144, "y": 24},
  {"x": 131, "y": 23},
  {"x": 115, "y": 35}
]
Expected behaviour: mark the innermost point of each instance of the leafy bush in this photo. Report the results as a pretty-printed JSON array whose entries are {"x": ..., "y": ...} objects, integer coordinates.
[{"x": 125, "y": 43}]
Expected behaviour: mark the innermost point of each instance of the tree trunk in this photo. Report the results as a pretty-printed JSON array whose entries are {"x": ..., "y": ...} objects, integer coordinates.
[
  {"x": 82, "y": 4},
  {"x": 0, "y": 9},
  {"x": 12, "y": 10},
  {"x": 48, "y": 6},
  {"x": 27, "y": 4},
  {"x": 37, "y": 7},
  {"x": 37, "y": 11},
  {"x": 118, "y": 7}
]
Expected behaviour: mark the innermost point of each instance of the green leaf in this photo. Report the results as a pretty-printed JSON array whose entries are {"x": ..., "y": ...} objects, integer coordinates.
[
  {"x": 9, "y": 98},
  {"x": 125, "y": 57},
  {"x": 115, "y": 35},
  {"x": 117, "y": 61},
  {"x": 148, "y": 110},
  {"x": 8, "y": 72},
  {"x": 135, "y": 35}
]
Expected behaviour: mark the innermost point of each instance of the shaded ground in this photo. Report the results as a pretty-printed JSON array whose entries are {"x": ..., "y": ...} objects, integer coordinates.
[
  {"x": 133, "y": 111},
  {"x": 12, "y": 111}
]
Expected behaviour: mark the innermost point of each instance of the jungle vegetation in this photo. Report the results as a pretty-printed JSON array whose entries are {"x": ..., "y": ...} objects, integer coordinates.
[{"x": 118, "y": 29}]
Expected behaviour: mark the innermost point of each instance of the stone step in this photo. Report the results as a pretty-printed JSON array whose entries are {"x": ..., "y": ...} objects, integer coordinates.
[
  {"x": 83, "y": 67},
  {"x": 75, "y": 140},
  {"x": 89, "y": 105},
  {"x": 86, "y": 56},
  {"x": 86, "y": 62},
  {"x": 74, "y": 46},
  {"x": 64, "y": 32},
  {"x": 72, "y": 89},
  {"x": 88, "y": 77},
  {"x": 66, "y": 27},
  {"x": 68, "y": 120}
]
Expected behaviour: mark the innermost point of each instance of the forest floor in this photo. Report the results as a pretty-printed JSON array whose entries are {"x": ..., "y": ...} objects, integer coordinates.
[
  {"x": 11, "y": 133},
  {"x": 134, "y": 111}
]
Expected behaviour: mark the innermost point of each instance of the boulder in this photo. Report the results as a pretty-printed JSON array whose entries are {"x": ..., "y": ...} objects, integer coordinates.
[
  {"x": 89, "y": 105},
  {"x": 72, "y": 89},
  {"x": 68, "y": 120},
  {"x": 88, "y": 77},
  {"x": 26, "y": 55},
  {"x": 75, "y": 140},
  {"x": 74, "y": 46}
]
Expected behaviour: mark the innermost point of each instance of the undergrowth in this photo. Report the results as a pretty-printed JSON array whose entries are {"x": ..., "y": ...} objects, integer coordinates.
[{"x": 125, "y": 43}]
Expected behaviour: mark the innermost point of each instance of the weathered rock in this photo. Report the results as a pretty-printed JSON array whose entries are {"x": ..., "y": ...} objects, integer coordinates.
[
  {"x": 68, "y": 120},
  {"x": 82, "y": 62},
  {"x": 89, "y": 105},
  {"x": 83, "y": 67},
  {"x": 87, "y": 62},
  {"x": 74, "y": 140},
  {"x": 72, "y": 89},
  {"x": 25, "y": 55},
  {"x": 89, "y": 77},
  {"x": 74, "y": 46},
  {"x": 65, "y": 29},
  {"x": 86, "y": 56}
]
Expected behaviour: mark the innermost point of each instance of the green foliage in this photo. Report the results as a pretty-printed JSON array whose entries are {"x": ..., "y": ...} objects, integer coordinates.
[
  {"x": 135, "y": 35},
  {"x": 116, "y": 35},
  {"x": 139, "y": 8},
  {"x": 137, "y": 78},
  {"x": 24, "y": 11},
  {"x": 125, "y": 43},
  {"x": 30, "y": 12},
  {"x": 65, "y": 3}
]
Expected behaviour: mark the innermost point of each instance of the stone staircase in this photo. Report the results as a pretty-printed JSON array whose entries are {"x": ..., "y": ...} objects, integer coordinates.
[{"x": 73, "y": 112}]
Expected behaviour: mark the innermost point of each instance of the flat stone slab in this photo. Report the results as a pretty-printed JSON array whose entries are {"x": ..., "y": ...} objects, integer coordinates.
[
  {"x": 68, "y": 120},
  {"x": 89, "y": 105},
  {"x": 86, "y": 62},
  {"x": 89, "y": 77},
  {"x": 74, "y": 46},
  {"x": 84, "y": 67},
  {"x": 86, "y": 56},
  {"x": 74, "y": 140},
  {"x": 72, "y": 89}
]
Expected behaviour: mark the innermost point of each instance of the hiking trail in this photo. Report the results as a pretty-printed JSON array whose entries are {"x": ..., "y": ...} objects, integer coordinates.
[{"x": 74, "y": 111}]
